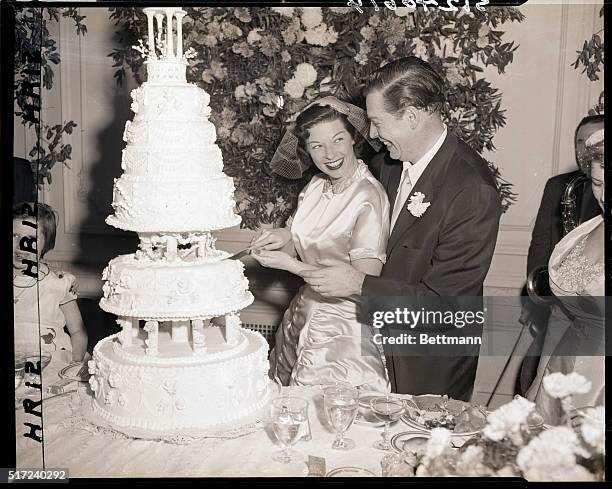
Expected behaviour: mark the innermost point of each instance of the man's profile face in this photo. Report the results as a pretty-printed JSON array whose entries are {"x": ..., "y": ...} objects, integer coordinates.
[
  {"x": 582, "y": 135},
  {"x": 393, "y": 132}
]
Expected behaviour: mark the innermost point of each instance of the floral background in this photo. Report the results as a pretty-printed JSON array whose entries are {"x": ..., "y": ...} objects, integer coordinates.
[{"x": 261, "y": 66}]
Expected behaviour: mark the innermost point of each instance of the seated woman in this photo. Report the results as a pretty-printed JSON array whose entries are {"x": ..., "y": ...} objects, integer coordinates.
[
  {"x": 342, "y": 217},
  {"x": 574, "y": 343}
]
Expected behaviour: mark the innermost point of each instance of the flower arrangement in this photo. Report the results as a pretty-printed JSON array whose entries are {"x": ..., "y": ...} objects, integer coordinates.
[
  {"x": 511, "y": 445},
  {"x": 261, "y": 66}
]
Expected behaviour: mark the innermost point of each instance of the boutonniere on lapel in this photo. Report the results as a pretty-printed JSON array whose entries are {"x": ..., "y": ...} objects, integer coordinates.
[{"x": 416, "y": 206}]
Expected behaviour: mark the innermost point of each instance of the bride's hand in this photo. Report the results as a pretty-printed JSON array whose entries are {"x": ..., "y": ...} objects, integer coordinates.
[
  {"x": 274, "y": 259},
  {"x": 270, "y": 239}
]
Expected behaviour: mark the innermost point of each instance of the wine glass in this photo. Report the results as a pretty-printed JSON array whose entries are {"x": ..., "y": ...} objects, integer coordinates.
[
  {"x": 341, "y": 402},
  {"x": 388, "y": 408},
  {"x": 20, "y": 360},
  {"x": 288, "y": 414}
]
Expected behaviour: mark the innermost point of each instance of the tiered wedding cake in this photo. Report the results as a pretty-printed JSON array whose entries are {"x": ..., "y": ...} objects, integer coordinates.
[{"x": 181, "y": 371}]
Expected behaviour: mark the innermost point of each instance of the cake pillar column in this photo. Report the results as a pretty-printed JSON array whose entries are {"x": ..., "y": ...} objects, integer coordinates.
[
  {"x": 179, "y": 33},
  {"x": 126, "y": 331},
  {"x": 180, "y": 331},
  {"x": 232, "y": 328},
  {"x": 149, "y": 13},
  {"x": 151, "y": 327},
  {"x": 197, "y": 335},
  {"x": 170, "y": 31},
  {"x": 159, "y": 17}
]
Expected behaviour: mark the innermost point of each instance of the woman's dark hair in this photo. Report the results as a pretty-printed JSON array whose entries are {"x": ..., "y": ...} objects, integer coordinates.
[
  {"x": 46, "y": 221},
  {"x": 311, "y": 117},
  {"x": 408, "y": 82},
  {"x": 591, "y": 154}
]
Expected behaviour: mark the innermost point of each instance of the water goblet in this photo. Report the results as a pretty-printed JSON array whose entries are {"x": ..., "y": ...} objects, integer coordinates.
[
  {"x": 389, "y": 409},
  {"x": 20, "y": 360},
  {"x": 341, "y": 403},
  {"x": 289, "y": 415}
]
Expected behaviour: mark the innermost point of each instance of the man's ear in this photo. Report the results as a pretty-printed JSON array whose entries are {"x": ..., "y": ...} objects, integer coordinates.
[{"x": 412, "y": 116}]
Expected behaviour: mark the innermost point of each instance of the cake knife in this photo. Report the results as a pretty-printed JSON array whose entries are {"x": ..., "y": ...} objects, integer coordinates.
[{"x": 240, "y": 254}]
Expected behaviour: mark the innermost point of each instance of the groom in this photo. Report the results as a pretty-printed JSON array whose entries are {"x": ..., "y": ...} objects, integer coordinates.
[{"x": 443, "y": 249}]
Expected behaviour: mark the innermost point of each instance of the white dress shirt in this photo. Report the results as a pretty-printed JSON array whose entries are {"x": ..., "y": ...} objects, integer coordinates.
[{"x": 413, "y": 172}]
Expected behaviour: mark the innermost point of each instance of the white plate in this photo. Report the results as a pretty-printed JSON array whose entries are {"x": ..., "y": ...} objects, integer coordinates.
[
  {"x": 409, "y": 440},
  {"x": 350, "y": 472},
  {"x": 412, "y": 423},
  {"x": 70, "y": 371}
]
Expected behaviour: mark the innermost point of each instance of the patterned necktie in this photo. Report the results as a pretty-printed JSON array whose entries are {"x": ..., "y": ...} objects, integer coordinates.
[{"x": 402, "y": 195}]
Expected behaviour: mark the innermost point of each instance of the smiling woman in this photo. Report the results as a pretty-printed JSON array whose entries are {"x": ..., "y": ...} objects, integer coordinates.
[{"x": 342, "y": 217}]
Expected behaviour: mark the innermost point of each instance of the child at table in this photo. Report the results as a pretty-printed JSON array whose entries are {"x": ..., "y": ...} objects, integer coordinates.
[{"x": 44, "y": 300}]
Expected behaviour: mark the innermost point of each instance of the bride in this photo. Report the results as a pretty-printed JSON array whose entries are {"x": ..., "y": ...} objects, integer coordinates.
[
  {"x": 342, "y": 216},
  {"x": 576, "y": 272}
]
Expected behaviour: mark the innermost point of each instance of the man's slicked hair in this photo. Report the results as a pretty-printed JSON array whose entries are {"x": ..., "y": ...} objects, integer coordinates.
[{"x": 408, "y": 82}]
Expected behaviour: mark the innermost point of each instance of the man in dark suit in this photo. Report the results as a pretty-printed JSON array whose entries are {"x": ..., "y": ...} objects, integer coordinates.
[
  {"x": 547, "y": 232},
  {"x": 440, "y": 250}
]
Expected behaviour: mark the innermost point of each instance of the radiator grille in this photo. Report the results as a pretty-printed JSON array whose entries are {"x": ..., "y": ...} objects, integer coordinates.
[{"x": 266, "y": 330}]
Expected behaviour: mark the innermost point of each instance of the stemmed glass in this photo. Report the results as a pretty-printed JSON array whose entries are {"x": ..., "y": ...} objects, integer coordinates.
[
  {"x": 341, "y": 402},
  {"x": 20, "y": 359},
  {"x": 390, "y": 409},
  {"x": 288, "y": 415}
]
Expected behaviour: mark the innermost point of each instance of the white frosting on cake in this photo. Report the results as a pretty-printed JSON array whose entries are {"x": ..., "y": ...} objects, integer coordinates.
[
  {"x": 179, "y": 396},
  {"x": 162, "y": 290},
  {"x": 149, "y": 203},
  {"x": 169, "y": 370},
  {"x": 171, "y": 162}
]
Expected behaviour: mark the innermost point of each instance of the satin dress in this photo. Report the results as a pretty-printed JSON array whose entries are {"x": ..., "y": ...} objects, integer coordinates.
[
  {"x": 320, "y": 339},
  {"x": 574, "y": 275}
]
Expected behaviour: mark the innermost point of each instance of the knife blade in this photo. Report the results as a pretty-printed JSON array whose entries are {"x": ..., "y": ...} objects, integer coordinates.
[{"x": 240, "y": 254}]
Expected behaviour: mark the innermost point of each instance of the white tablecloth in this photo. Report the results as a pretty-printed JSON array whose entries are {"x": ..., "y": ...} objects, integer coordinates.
[{"x": 88, "y": 453}]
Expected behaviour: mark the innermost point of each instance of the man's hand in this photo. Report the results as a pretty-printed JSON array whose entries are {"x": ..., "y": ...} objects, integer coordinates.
[{"x": 336, "y": 281}]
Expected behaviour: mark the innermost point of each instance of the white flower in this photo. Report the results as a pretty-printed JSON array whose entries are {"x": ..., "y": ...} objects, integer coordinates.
[
  {"x": 340, "y": 10},
  {"x": 92, "y": 367},
  {"x": 506, "y": 420},
  {"x": 374, "y": 20},
  {"x": 420, "y": 50},
  {"x": 367, "y": 33},
  {"x": 552, "y": 456},
  {"x": 93, "y": 383},
  {"x": 453, "y": 76},
  {"x": 294, "y": 88},
  {"x": 285, "y": 56},
  {"x": 254, "y": 36},
  {"x": 311, "y": 17},
  {"x": 438, "y": 442},
  {"x": 593, "y": 428},
  {"x": 416, "y": 206},
  {"x": 284, "y": 11},
  {"x": 306, "y": 74},
  {"x": 470, "y": 463},
  {"x": 559, "y": 385}
]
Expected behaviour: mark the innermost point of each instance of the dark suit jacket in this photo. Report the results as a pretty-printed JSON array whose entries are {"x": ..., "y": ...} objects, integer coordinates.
[
  {"x": 548, "y": 228},
  {"x": 446, "y": 252}
]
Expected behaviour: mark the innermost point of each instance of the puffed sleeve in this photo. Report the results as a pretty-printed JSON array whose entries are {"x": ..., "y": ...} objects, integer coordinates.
[
  {"x": 70, "y": 287},
  {"x": 371, "y": 232}
]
